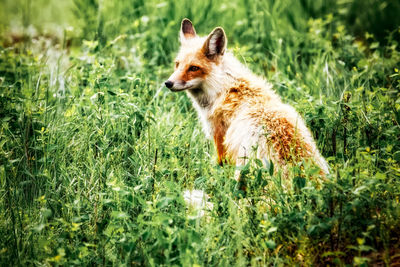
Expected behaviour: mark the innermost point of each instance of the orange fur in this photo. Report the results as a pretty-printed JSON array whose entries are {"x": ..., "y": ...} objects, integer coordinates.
[
  {"x": 196, "y": 59},
  {"x": 280, "y": 132},
  {"x": 219, "y": 137}
]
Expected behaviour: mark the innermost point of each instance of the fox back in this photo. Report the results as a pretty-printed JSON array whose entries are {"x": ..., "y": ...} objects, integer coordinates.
[{"x": 238, "y": 109}]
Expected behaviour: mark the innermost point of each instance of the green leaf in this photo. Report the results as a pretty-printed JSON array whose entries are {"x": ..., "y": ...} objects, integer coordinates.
[
  {"x": 396, "y": 156},
  {"x": 119, "y": 215},
  {"x": 270, "y": 244}
]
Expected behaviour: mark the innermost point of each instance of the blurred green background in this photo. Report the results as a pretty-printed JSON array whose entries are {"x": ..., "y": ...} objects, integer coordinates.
[{"x": 95, "y": 153}]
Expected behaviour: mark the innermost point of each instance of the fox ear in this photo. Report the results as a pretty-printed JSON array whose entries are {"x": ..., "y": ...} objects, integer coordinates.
[
  {"x": 187, "y": 30},
  {"x": 215, "y": 44}
]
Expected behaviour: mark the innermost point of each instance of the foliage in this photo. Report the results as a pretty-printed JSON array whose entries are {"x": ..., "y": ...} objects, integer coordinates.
[{"x": 95, "y": 153}]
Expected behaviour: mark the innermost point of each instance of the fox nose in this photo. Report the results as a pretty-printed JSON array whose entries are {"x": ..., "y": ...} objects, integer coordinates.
[{"x": 169, "y": 84}]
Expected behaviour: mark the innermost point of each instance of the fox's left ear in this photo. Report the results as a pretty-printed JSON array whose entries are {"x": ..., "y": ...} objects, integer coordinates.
[
  {"x": 215, "y": 44},
  {"x": 187, "y": 30}
]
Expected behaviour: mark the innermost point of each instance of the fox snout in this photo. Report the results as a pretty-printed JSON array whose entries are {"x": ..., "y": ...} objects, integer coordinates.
[
  {"x": 169, "y": 84},
  {"x": 175, "y": 86}
]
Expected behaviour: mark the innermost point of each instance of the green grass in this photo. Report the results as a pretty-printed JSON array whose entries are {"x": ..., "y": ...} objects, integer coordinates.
[{"x": 95, "y": 153}]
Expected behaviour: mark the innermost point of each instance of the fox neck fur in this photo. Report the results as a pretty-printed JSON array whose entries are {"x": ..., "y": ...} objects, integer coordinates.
[{"x": 217, "y": 84}]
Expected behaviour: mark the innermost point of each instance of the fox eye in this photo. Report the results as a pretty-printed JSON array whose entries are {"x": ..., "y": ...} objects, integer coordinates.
[
  {"x": 176, "y": 64},
  {"x": 193, "y": 68}
]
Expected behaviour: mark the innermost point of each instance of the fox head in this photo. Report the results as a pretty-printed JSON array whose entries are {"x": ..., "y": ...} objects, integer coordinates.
[{"x": 197, "y": 57}]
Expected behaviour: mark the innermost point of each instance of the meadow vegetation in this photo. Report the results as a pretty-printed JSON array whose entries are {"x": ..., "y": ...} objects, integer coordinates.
[{"x": 95, "y": 153}]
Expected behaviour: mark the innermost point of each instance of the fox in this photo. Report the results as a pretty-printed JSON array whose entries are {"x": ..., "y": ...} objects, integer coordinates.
[{"x": 239, "y": 110}]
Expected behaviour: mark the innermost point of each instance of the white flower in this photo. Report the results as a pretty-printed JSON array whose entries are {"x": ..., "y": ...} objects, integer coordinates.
[{"x": 197, "y": 201}]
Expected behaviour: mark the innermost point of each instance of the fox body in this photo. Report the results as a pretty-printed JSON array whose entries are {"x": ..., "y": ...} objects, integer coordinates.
[{"x": 238, "y": 109}]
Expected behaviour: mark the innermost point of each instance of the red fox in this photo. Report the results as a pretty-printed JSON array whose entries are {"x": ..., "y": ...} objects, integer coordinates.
[{"x": 238, "y": 109}]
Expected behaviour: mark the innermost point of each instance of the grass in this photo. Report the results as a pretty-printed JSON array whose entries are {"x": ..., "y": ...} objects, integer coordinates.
[{"x": 95, "y": 154}]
